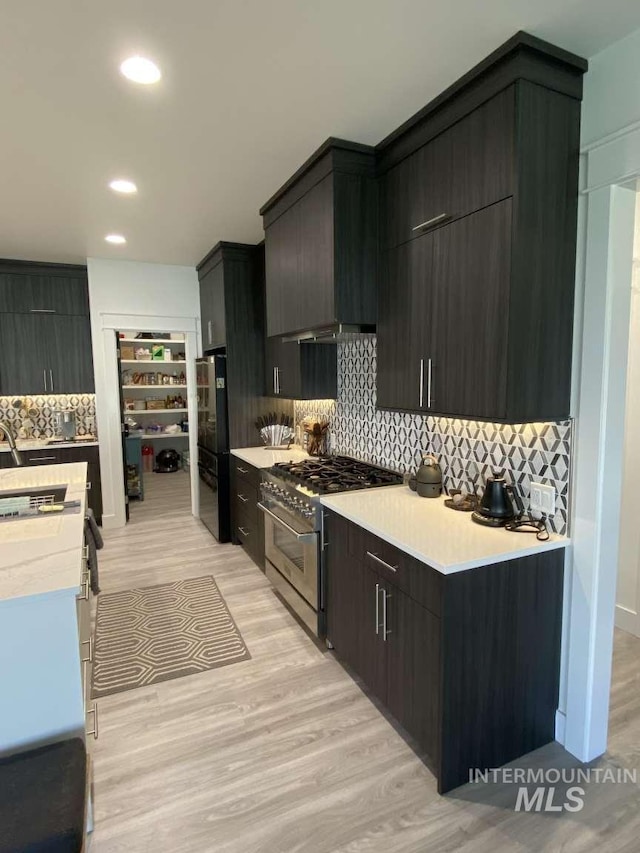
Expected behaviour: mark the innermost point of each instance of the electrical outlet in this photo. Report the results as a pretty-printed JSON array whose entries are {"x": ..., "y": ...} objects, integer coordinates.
[{"x": 542, "y": 498}]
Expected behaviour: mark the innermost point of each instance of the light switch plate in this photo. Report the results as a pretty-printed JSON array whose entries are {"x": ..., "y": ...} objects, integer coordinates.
[{"x": 542, "y": 498}]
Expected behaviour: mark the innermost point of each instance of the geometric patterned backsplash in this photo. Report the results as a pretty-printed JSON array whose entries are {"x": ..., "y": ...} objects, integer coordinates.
[
  {"x": 468, "y": 451},
  {"x": 34, "y": 416}
]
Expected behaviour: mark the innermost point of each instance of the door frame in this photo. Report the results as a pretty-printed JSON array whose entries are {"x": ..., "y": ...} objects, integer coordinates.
[
  {"x": 108, "y": 416},
  {"x": 610, "y": 170}
]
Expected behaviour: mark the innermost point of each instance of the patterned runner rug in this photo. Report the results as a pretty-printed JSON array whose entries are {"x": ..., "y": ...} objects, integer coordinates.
[{"x": 148, "y": 635}]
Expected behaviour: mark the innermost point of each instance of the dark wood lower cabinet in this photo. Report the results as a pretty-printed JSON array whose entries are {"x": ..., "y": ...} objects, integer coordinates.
[
  {"x": 247, "y": 522},
  {"x": 473, "y": 677}
]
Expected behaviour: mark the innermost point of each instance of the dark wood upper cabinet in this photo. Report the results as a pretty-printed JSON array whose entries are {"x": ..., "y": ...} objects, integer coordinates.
[
  {"x": 31, "y": 288},
  {"x": 478, "y": 221},
  {"x": 467, "y": 167},
  {"x": 301, "y": 371},
  {"x": 45, "y": 329},
  {"x": 321, "y": 242}
]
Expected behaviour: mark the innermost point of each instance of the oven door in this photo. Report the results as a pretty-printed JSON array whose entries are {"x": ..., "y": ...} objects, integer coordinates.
[{"x": 292, "y": 550}]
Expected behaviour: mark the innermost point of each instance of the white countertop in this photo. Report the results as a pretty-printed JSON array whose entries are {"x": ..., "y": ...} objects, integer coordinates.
[
  {"x": 265, "y": 457},
  {"x": 47, "y": 443},
  {"x": 425, "y": 528},
  {"x": 43, "y": 555}
]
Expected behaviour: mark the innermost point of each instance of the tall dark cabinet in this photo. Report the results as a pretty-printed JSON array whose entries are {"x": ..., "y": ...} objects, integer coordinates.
[
  {"x": 232, "y": 317},
  {"x": 45, "y": 329},
  {"x": 478, "y": 204}
]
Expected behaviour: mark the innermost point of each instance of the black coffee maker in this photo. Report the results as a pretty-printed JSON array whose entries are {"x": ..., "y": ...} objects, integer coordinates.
[{"x": 500, "y": 503}]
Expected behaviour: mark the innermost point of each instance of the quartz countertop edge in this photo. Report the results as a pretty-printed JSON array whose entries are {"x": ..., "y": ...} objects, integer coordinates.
[
  {"x": 47, "y": 559},
  {"x": 265, "y": 457},
  {"x": 445, "y": 539},
  {"x": 26, "y": 444}
]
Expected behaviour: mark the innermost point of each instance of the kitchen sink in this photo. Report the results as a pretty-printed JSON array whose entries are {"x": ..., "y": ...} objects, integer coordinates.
[{"x": 13, "y": 503}]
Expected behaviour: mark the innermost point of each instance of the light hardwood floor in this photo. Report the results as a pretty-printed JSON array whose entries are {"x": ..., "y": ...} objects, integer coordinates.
[{"x": 285, "y": 754}]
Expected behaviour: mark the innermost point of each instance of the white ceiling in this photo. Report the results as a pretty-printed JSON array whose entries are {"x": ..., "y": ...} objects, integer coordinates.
[{"x": 250, "y": 88}]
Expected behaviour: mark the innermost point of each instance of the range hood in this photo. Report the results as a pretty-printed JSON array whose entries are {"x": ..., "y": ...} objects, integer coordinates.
[{"x": 337, "y": 333}]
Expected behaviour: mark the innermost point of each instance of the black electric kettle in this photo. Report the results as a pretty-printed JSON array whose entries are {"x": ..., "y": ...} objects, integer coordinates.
[{"x": 500, "y": 502}]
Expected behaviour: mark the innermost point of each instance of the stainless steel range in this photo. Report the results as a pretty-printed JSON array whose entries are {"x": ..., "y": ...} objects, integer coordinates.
[{"x": 293, "y": 530}]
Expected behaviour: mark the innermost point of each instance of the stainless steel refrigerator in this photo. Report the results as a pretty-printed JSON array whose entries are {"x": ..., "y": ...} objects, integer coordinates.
[{"x": 213, "y": 445}]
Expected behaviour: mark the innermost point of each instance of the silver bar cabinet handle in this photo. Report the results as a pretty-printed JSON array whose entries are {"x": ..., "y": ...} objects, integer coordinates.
[
  {"x": 51, "y": 378},
  {"x": 41, "y": 458},
  {"x": 42, "y": 310},
  {"x": 243, "y": 499},
  {"x": 278, "y": 380},
  {"x": 421, "y": 382},
  {"x": 382, "y": 562},
  {"x": 90, "y": 643},
  {"x": 385, "y": 631},
  {"x": 433, "y": 221},
  {"x": 429, "y": 383},
  {"x": 243, "y": 531},
  {"x": 377, "y": 609},
  {"x": 94, "y": 730},
  {"x": 209, "y": 330},
  {"x": 275, "y": 380},
  {"x": 242, "y": 470},
  {"x": 44, "y": 376}
]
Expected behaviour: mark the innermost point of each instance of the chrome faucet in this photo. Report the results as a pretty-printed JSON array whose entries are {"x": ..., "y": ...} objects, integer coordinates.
[{"x": 15, "y": 453}]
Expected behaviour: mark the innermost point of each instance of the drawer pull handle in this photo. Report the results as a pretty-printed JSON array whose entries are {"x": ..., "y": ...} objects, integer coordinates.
[
  {"x": 41, "y": 458},
  {"x": 433, "y": 221},
  {"x": 243, "y": 499},
  {"x": 243, "y": 531},
  {"x": 88, "y": 485},
  {"x": 94, "y": 730},
  {"x": 90, "y": 644},
  {"x": 42, "y": 310},
  {"x": 382, "y": 562},
  {"x": 242, "y": 470}
]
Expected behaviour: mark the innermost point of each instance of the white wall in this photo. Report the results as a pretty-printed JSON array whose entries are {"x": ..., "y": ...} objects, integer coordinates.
[
  {"x": 628, "y": 588},
  {"x": 612, "y": 90},
  {"x": 130, "y": 295},
  {"x": 609, "y": 171}
]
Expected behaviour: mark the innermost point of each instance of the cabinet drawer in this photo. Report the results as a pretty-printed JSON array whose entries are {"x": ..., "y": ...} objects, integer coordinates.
[
  {"x": 465, "y": 168},
  {"x": 418, "y": 580},
  {"x": 245, "y": 496},
  {"x": 246, "y": 475},
  {"x": 249, "y": 534}
]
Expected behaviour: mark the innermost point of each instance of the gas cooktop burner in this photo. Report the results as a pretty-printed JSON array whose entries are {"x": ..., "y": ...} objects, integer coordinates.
[{"x": 329, "y": 474}]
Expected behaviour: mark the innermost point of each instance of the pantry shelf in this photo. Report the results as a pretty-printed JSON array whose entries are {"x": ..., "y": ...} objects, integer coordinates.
[{"x": 151, "y": 411}]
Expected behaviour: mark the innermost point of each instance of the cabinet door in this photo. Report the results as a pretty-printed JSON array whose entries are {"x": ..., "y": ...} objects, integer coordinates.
[
  {"x": 318, "y": 371},
  {"x": 316, "y": 292},
  {"x": 470, "y": 314},
  {"x": 42, "y": 293},
  {"x": 68, "y": 359},
  {"x": 413, "y": 667},
  {"x": 282, "y": 372},
  {"x": 282, "y": 257},
  {"x": 353, "y": 604},
  {"x": 212, "y": 309},
  {"x": 465, "y": 168},
  {"x": 404, "y": 324},
  {"x": 22, "y": 366}
]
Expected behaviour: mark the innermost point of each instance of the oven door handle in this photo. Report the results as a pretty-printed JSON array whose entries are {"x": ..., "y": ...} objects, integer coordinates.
[{"x": 301, "y": 537}]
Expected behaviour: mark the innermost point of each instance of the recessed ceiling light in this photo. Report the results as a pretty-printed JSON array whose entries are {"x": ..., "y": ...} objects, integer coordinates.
[
  {"x": 140, "y": 70},
  {"x": 123, "y": 186},
  {"x": 117, "y": 239}
]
